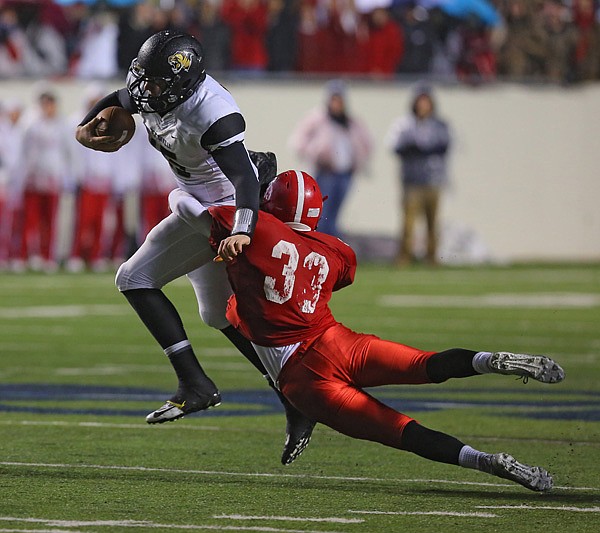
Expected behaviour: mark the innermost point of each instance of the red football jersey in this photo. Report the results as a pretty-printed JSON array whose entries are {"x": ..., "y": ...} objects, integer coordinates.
[{"x": 283, "y": 281}]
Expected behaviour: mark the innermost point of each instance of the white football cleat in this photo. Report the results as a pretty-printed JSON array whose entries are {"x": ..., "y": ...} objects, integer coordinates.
[
  {"x": 538, "y": 367},
  {"x": 532, "y": 477}
]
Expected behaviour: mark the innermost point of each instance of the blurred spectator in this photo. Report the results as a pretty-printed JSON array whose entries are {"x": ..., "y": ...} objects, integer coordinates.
[
  {"x": 135, "y": 26},
  {"x": 342, "y": 40},
  {"x": 76, "y": 16},
  {"x": 98, "y": 48},
  {"x": 310, "y": 35},
  {"x": 11, "y": 178},
  {"x": 124, "y": 210},
  {"x": 281, "y": 38},
  {"x": 28, "y": 45},
  {"x": 93, "y": 174},
  {"x": 385, "y": 43},
  {"x": 335, "y": 145},
  {"x": 587, "y": 52},
  {"x": 214, "y": 35},
  {"x": 522, "y": 54},
  {"x": 477, "y": 60},
  {"x": 421, "y": 140},
  {"x": 47, "y": 159},
  {"x": 447, "y": 44},
  {"x": 419, "y": 37},
  {"x": 560, "y": 41},
  {"x": 247, "y": 20}
]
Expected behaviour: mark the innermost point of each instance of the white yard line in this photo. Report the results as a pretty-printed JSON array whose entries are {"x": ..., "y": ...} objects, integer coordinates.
[
  {"x": 496, "y": 300},
  {"x": 62, "y": 311},
  {"x": 263, "y": 474},
  {"x": 190, "y": 427},
  {"x": 4, "y": 530},
  {"x": 100, "y": 425},
  {"x": 138, "y": 524},
  {"x": 333, "y": 519},
  {"x": 570, "y": 509},
  {"x": 427, "y": 513}
]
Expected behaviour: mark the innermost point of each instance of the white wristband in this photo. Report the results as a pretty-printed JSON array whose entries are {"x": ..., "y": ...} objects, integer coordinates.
[{"x": 243, "y": 221}]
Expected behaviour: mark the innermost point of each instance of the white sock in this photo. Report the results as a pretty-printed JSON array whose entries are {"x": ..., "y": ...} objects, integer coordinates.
[
  {"x": 480, "y": 362},
  {"x": 471, "y": 458}
]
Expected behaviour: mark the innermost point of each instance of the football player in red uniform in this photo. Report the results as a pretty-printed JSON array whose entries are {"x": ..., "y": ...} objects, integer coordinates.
[{"x": 282, "y": 284}]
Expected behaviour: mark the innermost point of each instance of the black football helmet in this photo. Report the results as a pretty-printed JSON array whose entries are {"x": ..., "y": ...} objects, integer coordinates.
[{"x": 167, "y": 69}]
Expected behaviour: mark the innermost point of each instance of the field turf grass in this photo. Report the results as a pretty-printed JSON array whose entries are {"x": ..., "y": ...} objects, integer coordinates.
[{"x": 78, "y": 373}]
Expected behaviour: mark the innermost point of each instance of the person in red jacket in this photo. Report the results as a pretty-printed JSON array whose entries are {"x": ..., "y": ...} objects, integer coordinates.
[
  {"x": 247, "y": 20},
  {"x": 282, "y": 283},
  {"x": 385, "y": 44}
]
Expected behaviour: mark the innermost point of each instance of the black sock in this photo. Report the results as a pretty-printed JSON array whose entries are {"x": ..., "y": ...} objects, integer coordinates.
[
  {"x": 158, "y": 315},
  {"x": 189, "y": 372},
  {"x": 431, "y": 444},
  {"x": 164, "y": 323},
  {"x": 454, "y": 363},
  {"x": 245, "y": 348}
]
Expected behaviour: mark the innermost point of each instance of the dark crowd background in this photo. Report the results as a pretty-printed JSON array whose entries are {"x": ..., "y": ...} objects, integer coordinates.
[{"x": 474, "y": 41}]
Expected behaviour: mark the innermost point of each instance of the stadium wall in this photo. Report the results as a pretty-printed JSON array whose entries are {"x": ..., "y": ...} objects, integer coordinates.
[{"x": 525, "y": 181}]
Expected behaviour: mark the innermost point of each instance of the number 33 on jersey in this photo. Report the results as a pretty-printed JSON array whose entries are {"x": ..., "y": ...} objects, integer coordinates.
[{"x": 298, "y": 272}]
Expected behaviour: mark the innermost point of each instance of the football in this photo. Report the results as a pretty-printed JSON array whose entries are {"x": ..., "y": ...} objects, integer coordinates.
[{"x": 118, "y": 122}]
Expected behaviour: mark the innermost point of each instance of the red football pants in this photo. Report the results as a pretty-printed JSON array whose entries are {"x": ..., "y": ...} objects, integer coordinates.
[
  {"x": 325, "y": 382},
  {"x": 90, "y": 222},
  {"x": 39, "y": 212}
]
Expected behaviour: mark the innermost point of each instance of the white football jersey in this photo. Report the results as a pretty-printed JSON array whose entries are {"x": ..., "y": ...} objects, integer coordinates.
[{"x": 177, "y": 135}]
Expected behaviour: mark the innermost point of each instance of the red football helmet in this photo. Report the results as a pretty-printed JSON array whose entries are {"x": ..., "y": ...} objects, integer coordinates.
[{"x": 294, "y": 198}]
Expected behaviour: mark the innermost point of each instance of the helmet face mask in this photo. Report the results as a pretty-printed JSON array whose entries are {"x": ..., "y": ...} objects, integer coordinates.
[
  {"x": 165, "y": 72},
  {"x": 294, "y": 198}
]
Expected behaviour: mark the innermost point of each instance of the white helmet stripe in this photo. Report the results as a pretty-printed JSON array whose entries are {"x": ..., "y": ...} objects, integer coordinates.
[{"x": 300, "y": 200}]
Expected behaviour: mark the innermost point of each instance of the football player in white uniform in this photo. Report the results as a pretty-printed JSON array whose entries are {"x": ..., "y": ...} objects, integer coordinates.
[{"x": 197, "y": 126}]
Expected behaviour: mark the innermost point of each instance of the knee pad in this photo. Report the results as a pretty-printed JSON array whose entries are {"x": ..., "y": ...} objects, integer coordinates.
[
  {"x": 215, "y": 318},
  {"x": 128, "y": 278}
]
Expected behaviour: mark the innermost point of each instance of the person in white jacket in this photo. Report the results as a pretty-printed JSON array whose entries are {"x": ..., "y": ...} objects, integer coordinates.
[
  {"x": 47, "y": 158},
  {"x": 333, "y": 145}
]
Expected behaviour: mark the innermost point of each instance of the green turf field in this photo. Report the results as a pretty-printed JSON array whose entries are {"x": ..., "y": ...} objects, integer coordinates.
[{"x": 78, "y": 373}]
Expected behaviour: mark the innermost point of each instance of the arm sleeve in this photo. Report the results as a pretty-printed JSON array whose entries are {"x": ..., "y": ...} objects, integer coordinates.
[
  {"x": 235, "y": 163},
  {"x": 118, "y": 98}
]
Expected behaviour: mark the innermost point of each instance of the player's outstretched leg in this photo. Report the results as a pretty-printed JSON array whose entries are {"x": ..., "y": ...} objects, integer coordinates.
[
  {"x": 538, "y": 367},
  {"x": 437, "y": 446}
]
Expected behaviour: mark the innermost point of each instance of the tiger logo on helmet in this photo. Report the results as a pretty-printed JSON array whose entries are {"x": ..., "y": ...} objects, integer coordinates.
[{"x": 179, "y": 61}]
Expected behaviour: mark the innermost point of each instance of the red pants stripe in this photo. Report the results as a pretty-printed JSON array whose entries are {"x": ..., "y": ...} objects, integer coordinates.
[{"x": 326, "y": 383}]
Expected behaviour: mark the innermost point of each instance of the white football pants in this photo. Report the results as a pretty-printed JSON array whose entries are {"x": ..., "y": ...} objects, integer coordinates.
[{"x": 174, "y": 248}]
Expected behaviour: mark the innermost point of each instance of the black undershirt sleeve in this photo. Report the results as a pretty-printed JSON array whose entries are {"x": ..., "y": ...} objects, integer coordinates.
[
  {"x": 235, "y": 163},
  {"x": 118, "y": 98}
]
